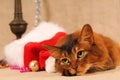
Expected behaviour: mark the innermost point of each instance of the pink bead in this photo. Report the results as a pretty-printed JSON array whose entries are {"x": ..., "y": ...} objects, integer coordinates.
[{"x": 22, "y": 69}]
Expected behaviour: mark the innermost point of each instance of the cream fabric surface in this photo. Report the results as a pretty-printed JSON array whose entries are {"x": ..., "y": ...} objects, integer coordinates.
[
  {"x": 103, "y": 15},
  {"x": 7, "y": 74}
]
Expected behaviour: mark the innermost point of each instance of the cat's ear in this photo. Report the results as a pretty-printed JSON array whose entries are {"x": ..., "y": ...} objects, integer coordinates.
[
  {"x": 54, "y": 50},
  {"x": 86, "y": 34}
]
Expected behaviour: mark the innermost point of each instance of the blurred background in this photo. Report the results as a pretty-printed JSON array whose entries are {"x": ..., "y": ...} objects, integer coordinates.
[{"x": 102, "y": 15}]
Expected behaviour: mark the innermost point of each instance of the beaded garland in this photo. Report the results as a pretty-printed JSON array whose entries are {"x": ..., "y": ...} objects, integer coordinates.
[{"x": 37, "y": 16}]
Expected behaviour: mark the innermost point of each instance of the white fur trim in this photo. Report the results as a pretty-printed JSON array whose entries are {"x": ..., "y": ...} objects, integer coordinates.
[
  {"x": 14, "y": 51},
  {"x": 50, "y": 65}
]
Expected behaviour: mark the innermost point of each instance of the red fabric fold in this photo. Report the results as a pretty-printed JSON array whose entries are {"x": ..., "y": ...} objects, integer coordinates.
[{"x": 35, "y": 50}]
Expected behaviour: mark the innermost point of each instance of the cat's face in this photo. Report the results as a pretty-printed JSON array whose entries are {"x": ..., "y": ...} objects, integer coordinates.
[{"x": 76, "y": 53}]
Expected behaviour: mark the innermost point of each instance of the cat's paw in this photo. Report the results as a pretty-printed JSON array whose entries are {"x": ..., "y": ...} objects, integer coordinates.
[
  {"x": 80, "y": 73},
  {"x": 69, "y": 73}
]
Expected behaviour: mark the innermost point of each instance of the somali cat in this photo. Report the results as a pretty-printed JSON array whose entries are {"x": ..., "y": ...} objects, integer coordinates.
[{"x": 84, "y": 51}]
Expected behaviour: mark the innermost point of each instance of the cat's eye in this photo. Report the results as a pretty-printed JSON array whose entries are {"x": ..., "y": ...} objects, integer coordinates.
[
  {"x": 80, "y": 54},
  {"x": 65, "y": 61}
]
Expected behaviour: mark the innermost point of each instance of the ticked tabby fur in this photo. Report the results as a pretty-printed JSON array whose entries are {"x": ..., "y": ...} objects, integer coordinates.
[{"x": 84, "y": 51}]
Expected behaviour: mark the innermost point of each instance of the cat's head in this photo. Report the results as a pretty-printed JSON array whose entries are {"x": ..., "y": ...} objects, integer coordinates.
[{"x": 76, "y": 52}]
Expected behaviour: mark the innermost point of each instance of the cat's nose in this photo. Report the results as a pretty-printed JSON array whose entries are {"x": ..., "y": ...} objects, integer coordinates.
[{"x": 74, "y": 66}]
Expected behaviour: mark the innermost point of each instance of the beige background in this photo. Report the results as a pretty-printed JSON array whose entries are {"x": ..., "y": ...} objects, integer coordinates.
[
  {"x": 103, "y": 15},
  {"x": 7, "y": 15}
]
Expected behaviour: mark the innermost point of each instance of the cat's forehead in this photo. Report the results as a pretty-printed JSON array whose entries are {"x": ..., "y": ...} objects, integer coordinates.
[{"x": 69, "y": 44}]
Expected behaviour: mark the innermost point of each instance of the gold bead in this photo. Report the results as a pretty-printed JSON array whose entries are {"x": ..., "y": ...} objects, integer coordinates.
[{"x": 33, "y": 65}]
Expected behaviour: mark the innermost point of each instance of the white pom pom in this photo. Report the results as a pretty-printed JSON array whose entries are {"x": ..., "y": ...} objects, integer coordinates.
[{"x": 50, "y": 65}]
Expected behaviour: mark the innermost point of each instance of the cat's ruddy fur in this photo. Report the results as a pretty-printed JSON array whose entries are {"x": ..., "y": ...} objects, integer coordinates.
[{"x": 85, "y": 51}]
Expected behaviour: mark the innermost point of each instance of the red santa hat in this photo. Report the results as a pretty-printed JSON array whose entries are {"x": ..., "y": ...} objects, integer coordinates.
[
  {"x": 36, "y": 51},
  {"x": 21, "y": 52}
]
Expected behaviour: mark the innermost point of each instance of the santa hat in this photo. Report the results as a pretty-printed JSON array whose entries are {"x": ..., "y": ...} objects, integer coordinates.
[
  {"x": 36, "y": 51},
  {"x": 16, "y": 52}
]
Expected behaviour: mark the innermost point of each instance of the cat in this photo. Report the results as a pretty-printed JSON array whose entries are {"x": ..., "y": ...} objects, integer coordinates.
[{"x": 84, "y": 51}]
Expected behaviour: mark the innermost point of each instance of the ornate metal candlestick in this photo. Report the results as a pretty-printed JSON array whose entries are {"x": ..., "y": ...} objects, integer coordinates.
[{"x": 18, "y": 25}]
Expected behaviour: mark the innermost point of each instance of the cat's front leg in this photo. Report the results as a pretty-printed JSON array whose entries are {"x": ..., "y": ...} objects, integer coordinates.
[{"x": 80, "y": 73}]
